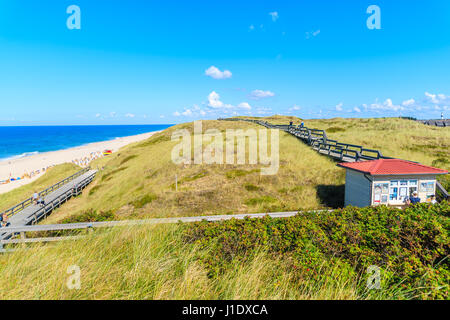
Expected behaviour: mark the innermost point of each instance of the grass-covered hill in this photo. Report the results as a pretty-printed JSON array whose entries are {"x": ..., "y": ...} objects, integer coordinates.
[
  {"x": 394, "y": 137},
  {"x": 139, "y": 181}
]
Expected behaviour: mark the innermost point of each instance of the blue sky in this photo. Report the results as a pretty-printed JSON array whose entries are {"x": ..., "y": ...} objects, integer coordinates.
[{"x": 136, "y": 62}]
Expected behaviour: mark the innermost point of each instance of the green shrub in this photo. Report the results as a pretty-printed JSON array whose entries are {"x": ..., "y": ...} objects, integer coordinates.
[
  {"x": 94, "y": 189},
  {"x": 334, "y": 129},
  {"x": 153, "y": 140},
  {"x": 239, "y": 173},
  {"x": 125, "y": 160},
  {"x": 141, "y": 202},
  {"x": 260, "y": 200},
  {"x": 410, "y": 246},
  {"x": 109, "y": 175},
  {"x": 91, "y": 216},
  {"x": 251, "y": 187}
]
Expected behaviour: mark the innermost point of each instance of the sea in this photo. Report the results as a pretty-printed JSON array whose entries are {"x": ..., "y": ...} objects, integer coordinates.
[{"x": 18, "y": 142}]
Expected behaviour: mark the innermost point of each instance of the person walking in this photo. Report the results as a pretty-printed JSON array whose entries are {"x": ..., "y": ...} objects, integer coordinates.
[{"x": 35, "y": 197}]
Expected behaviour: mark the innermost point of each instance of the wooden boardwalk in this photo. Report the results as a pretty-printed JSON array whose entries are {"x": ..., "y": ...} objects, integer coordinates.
[
  {"x": 33, "y": 212},
  {"x": 436, "y": 122},
  {"x": 318, "y": 140}
]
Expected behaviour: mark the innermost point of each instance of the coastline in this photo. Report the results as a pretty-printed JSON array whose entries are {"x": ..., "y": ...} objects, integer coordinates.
[{"x": 34, "y": 166}]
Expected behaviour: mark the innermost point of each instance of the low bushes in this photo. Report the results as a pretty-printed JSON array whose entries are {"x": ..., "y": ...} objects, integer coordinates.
[
  {"x": 91, "y": 216},
  {"x": 410, "y": 246}
]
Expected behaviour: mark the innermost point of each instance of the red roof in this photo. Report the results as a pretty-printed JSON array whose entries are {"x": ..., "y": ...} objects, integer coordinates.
[{"x": 391, "y": 167}]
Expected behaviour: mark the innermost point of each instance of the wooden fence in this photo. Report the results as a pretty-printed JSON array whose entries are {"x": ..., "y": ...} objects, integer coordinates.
[
  {"x": 41, "y": 212},
  {"x": 319, "y": 141},
  {"x": 436, "y": 123},
  {"x": 29, "y": 201},
  {"x": 345, "y": 152},
  {"x": 22, "y": 230}
]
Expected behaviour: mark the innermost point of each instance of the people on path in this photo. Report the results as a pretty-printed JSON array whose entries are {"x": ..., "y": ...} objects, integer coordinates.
[{"x": 35, "y": 197}]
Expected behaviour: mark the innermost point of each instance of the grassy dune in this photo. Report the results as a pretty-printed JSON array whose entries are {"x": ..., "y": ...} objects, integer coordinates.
[
  {"x": 394, "y": 137},
  {"x": 149, "y": 263},
  {"x": 139, "y": 181},
  {"x": 309, "y": 256}
]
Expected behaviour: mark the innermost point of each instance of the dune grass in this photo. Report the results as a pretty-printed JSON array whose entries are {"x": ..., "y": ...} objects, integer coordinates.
[
  {"x": 139, "y": 181},
  {"x": 153, "y": 262},
  {"x": 309, "y": 256},
  {"x": 394, "y": 137}
]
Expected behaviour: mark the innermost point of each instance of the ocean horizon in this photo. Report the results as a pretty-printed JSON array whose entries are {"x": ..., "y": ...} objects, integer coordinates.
[{"x": 22, "y": 141}]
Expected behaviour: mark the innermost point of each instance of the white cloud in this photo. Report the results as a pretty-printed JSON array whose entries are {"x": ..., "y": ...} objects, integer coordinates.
[
  {"x": 408, "y": 103},
  {"x": 216, "y": 104},
  {"x": 436, "y": 98},
  {"x": 339, "y": 107},
  {"x": 263, "y": 111},
  {"x": 251, "y": 28},
  {"x": 244, "y": 105},
  {"x": 129, "y": 115},
  {"x": 214, "y": 107},
  {"x": 215, "y": 73},
  {"x": 98, "y": 115},
  {"x": 431, "y": 97},
  {"x": 295, "y": 108},
  {"x": 387, "y": 105},
  {"x": 260, "y": 94},
  {"x": 356, "y": 109},
  {"x": 274, "y": 15},
  {"x": 312, "y": 34},
  {"x": 214, "y": 100},
  {"x": 187, "y": 112}
]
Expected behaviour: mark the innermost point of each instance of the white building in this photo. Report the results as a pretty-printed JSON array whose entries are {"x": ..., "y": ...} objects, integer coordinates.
[{"x": 388, "y": 182}]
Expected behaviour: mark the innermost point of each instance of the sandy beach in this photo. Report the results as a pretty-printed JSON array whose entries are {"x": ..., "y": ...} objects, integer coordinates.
[{"x": 81, "y": 155}]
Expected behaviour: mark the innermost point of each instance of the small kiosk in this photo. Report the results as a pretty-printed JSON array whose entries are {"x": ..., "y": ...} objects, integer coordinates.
[{"x": 388, "y": 182}]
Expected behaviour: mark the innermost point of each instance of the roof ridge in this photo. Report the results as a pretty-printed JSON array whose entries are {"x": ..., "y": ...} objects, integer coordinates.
[
  {"x": 391, "y": 166},
  {"x": 376, "y": 165}
]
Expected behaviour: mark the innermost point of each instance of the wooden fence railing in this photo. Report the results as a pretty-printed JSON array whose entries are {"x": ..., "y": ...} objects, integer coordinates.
[
  {"x": 49, "y": 207},
  {"x": 22, "y": 230},
  {"x": 436, "y": 123},
  {"x": 319, "y": 141},
  {"x": 27, "y": 202}
]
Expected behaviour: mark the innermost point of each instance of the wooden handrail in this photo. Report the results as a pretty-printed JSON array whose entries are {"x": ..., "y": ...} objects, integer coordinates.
[{"x": 19, "y": 207}]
